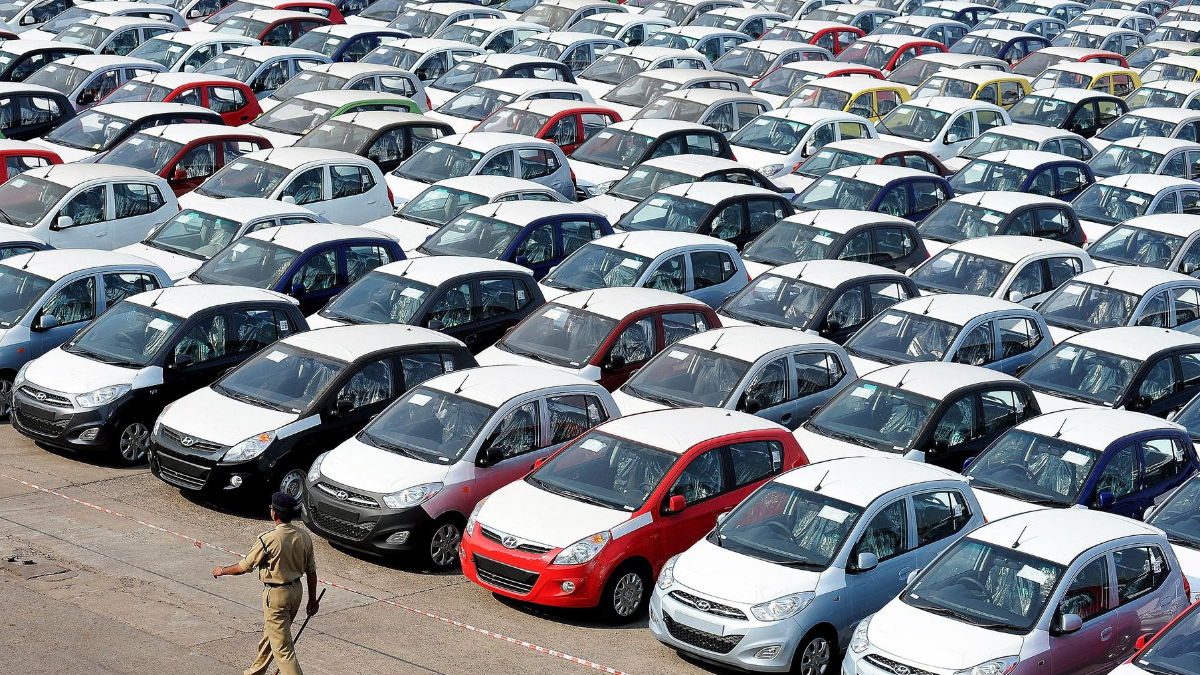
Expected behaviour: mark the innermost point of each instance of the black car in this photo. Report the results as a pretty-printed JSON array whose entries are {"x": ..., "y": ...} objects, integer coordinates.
[
  {"x": 1082, "y": 111},
  {"x": 382, "y": 136},
  {"x": 838, "y": 234},
  {"x": 21, "y": 58},
  {"x": 983, "y": 214},
  {"x": 261, "y": 425},
  {"x": 735, "y": 213},
  {"x": 31, "y": 111},
  {"x": 475, "y": 300},
  {"x": 143, "y": 353}
]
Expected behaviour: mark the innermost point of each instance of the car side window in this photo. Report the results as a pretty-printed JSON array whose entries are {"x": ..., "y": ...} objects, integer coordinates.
[
  {"x": 518, "y": 432},
  {"x": 364, "y": 258},
  {"x": 454, "y": 307},
  {"x": 1140, "y": 571},
  {"x": 960, "y": 129},
  {"x": 87, "y": 207},
  {"x": 887, "y": 534},
  {"x": 884, "y": 294},
  {"x": 669, "y": 275},
  {"x": 976, "y": 348},
  {"x": 847, "y": 310},
  {"x": 235, "y": 149},
  {"x": 319, "y": 272},
  {"x": 711, "y": 268},
  {"x": 253, "y": 329},
  {"x": 572, "y": 415},
  {"x": 308, "y": 187},
  {"x": 497, "y": 298},
  {"x": 1159, "y": 381},
  {"x": 1017, "y": 336},
  {"x": 348, "y": 180},
  {"x": 1062, "y": 269},
  {"x": 538, "y": 244},
  {"x": 1051, "y": 223},
  {"x": 499, "y": 165},
  {"x": 1002, "y": 408},
  {"x": 815, "y": 372},
  {"x": 957, "y": 424},
  {"x": 636, "y": 343},
  {"x": 703, "y": 478},
  {"x": 768, "y": 388},
  {"x": 536, "y": 163},
  {"x": 373, "y": 383},
  {"x": 118, "y": 285},
  {"x": 1187, "y": 305},
  {"x": 1156, "y": 312},
  {"x": 893, "y": 243},
  {"x": 895, "y": 202},
  {"x": 205, "y": 341},
  {"x": 1119, "y": 476},
  {"x": 1087, "y": 596},
  {"x": 420, "y": 366},
  {"x": 74, "y": 302},
  {"x": 730, "y": 222},
  {"x": 755, "y": 460},
  {"x": 593, "y": 123},
  {"x": 1163, "y": 459},
  {"x": 678, "y": 325},
  {"x": 564, "y": 132},
  {"x": 939, "y": 515}
]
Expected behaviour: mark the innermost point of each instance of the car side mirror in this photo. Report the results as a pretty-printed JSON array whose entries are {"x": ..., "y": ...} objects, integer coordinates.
[
  {"x": 1139, "y": 403},
  {"x": 540, "y": 461},
  {"x": 748, "y": 405},
  {"x": 1069, "y": 623},
  {"x": 967, "y": 463},
  {"x": 181, "y": 361},
  {"x": 63, "y": 223},
  {"x": 288, "y": 199},
  {"x": 46, "y": 322},
  {"x": 616, "y": 361},
  {"x": 194, "y": 14},
  {"x": 342, "y": 407},
  {"x": 832, "y": 326},
  {"x": 809, "y": 149},
  {"x": 865, "y": 562},
  {"x": 951, "y": 139},
  {"x": 435, "y": 324},
  {"x": 179, "y": 174},
  {"x": 189, "y": 68},
  {"x": 1016, "y": 296},
  {"x": 490, "y": 455},
  {"x": 1189, "y": 268},
  {"x": 676, "y": 504},
  {"x": 523, "y": 261},
  {"x": 1142, "y": 641},
  {"x": 297, "y": 289},
  {"x": 960, "y": 151},
  {"x": 939, "y": 445},
  {"x": 1105, "y": 499}
]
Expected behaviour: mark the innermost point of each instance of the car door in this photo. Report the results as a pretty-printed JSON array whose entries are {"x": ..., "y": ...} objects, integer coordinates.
[
  {"x": 1157, "y": 390},
  {"x": 846, "y": 314},
  {"x": 36, "y": 115},
  {"x": 1088, "y": 594},
  {"x": 72, "y": 306},
  {"x": 136, "y": 208},
  {"x": 769, "y": 393},
  {"x": 636, "y": 341},
  {"x": 191, "y": 169},
  {"x": 888, "y": 536},
  {"x": 536, "y": 248},
  {"x": 203, "y": 350},
  {"x": 89, "y": 211},
  {"x": 1146, "y": 598},
  {"x": 314, "y": 279},
  {"x": 1020, "y": 342},
  {"x": 360, "y": 395},
  {"x": 817, "y": 376},
  {"x": 498, "y": 301}
]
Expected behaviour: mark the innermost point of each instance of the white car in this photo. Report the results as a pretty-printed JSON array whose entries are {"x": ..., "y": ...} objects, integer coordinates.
[
  {"x": 186, "y": 241},
  {"x": 635, "y": 93},
  {"x": 1147, "y": 154},
  {"x": 1121, "y": 296},
  {"x": 469, "y": 107},
  {"x": 1167, "y": 241},
  {"x": 423, "y": 20},
  {"x": 628, "y": 27},
  {"x": 338, "y": 186},
  {"x": 427, "y": 58},
  {"x": 940, "y": 125},
  {"x": 488, "y": 67},
  {"x": 88, "y": 78},
  {"x": 87, "y": 10},
  {"x": 86, "y": 205},
  {"x": 1022, "y": 137},
  {"x": 265, "y": 69},
  {"x": 607, "y": 157},
  {"x": 1019, "y": 269},
  {"x": 287, "y": 122},
  {"x": 562, "y": 14},
  {"x": 1159, "y": 122},
  {"x": 184, "y": 51},
  {"x": 576, "y": 51},
  {"x": 753, "y": 60},
  {"x": 1111, "y": 201},
  {"x": 351, "y": 75},
  {"x": 1164, "y": 93},
  {"x": 621, "y": 64},
  {"x": 1176, "y": 515},
  {"x": 496, "y": 36},
  {"x": 725, "y": 111},
  {"x": 118, "y": 35},
  {"x": 777, "y": 142}
]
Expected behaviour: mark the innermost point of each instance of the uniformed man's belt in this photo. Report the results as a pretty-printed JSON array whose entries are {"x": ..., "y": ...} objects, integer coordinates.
[{"x": 281, "y": 585}]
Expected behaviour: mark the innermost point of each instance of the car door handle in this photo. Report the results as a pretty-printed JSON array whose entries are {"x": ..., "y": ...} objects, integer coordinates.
[
  {"x": 903, "y": 574},
  {"x": 1106, "y": 634},
  {"x": 786, "y": 418},
  {"x": 470, "y": 339}
]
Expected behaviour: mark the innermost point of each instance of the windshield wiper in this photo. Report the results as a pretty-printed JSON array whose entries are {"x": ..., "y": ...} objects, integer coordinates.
[
  {"x": 1182, "y": 541},
  {"x": 246, "y": 398},
  {"x": 7, "y": 218},
  {"x": 380, "y": 443},
  {"x": 569, "y": 494},
  {"x": 662, "y": 400},
  {"x": 840, "y": 437}
]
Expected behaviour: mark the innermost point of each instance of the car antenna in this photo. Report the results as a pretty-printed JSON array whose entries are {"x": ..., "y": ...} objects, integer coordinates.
[
  {"x": 714, "y": 345},
  {"x": 817, "y": 488},
  {"x": 405, "y": 272},
  {"x": 29, "y": 260},
  {"x": 160, "y": 292},
  {"x": 903, "y": 378},
  {"x": 274, "y": 234},
  {"x": 800, "y": 272},
  {"x": 1058, "y": 434},
  {"x": 589, "y": 299},
  {"x": 926, "y": 312},
  {"x": 1109, "y": 277},
  {"x": 621, "y": 246},
  {"x": 460, "y": 384},
  {"x": 1017, "y": 543}
]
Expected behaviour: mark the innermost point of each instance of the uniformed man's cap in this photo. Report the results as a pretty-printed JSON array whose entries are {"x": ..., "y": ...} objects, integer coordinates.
[{"x": 284, "y": 502}]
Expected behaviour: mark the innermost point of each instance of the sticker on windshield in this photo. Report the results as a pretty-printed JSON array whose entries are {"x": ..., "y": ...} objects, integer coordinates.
[
  {"x": 1076, "y": 458},
  {"x": 283, "y": 326},
  {"x": 239, "y": 248},
  {"x": 991, "y": 218},
  {"x": 593, "y": 444},
  {"x": 238, "y": 167},
  {"x": 1033, "y": 574},
  {"x": 676, "y": 354},
  {"x": 160, "y": 325},
  {"x": 136, "y": 141},
  {"x": 728, "y": 266},
  {"x": 420, "y": 399},
  {"x": 890, "y": 319},
  {"x": 823, "y": 240},
  {"x": 832, "y": 513},
  {"x": 631, "y": 263},
  {"x": 593, "y": 413},
  {"x": 1067, "y": 353},
  {"x": 277, "y": 356},
  {"x": 1137, "y": 200},
  {"x": 863, "y": 391},
  {"x": 554, "y": 314},
  {"x": 412, "y": 293},
  {"x": 448, "y": 365},
  {"x": 1072, "y": 290},
  {"x": 520, "y": 295}
]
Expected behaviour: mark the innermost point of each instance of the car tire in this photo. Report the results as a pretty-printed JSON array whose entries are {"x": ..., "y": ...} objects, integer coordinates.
[
  {"x": 816, "y": 654},
  {"x": 626, "y": 594},
  {"x": 131, "y": 445},
  {"x": 441, "y": 546},
  {"x": 290, "y": 480},
  {"x": 6, "y": 396}
]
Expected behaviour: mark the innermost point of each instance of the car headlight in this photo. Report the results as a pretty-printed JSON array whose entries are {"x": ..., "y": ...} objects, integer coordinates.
[
  {"x": 413, "y": 496},
  {"x": 783, "y": 607},
  {"x": 1000, "y": 666},
  {"x": 102, "y": 396},
  {"x": 604, "y": 187},
  {"x": 592, "y": 190},
  {"x": 158, "y": 420},
  {"x": 474, "y": 517},
  {"x": 19, "y": 379},
  {"x": 858, "y": 641},
  {"x": 250, "y": 448},
  {"x": 583, "y": 550},
  {"x": 314, "y": 471},
  {"x": 666, "y": 578},
  {"x": 770, "y": 169}
]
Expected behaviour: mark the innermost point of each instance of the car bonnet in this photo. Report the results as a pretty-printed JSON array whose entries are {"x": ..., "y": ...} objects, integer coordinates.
[
  {"x": 197, "y": 413},
  {"x": 527, "y": 512}
]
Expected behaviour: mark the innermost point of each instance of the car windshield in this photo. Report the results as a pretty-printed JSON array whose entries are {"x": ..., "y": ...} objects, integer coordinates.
[
  {"x": 1130, "y": 245},
  {"x": 463, "y": 33},
  {"x": 1083, "y": 374},
  {"x": 392, "y": 55},
  {"x": 1040, "y": 469},
  {"x": 321, "y": 42},
  {"x": 771, "y": 134},
  {"x": 597, "y": 266},
  {"x": 982, "y": 174},
  {"x": 25, "y": 201},
  {"x": 428, "y": 425},
  {"x": 142, "y": 151},
  {"x": 513, "y": 121},
  {"x": 1036, "y": 63},
  {"x": 605, "y": 470},
  {"x": 229, "y": 10},
  {"x": 667, "y": 9},
  {"x": 1131, "y": 126},
  {"x": 666, "y": 212},
  {"x": 958, "y": 272},
  {"x": 813, "y": 96},
  {"x": 1040, "y": 110},
  {"x": 643, "y": 181},
  {"x": 1147, "y": 55},
  {"x": 895, "y": 27},
  {"x": 439, "y": 161},
  {"x": 597, "y": 26},
  {"x": 994, "y": 141},
  {"x": 639, "y": 90},
  {"x": 194, "y": 234},
  {"x": 1123, "y": 159},
  {"x": 837, "y": 192},
  {"x": 382, "y": 10},
  {"x": 232, "y": 66},
  {"x": 64, "y": 19},
  {"x": 161, "y": 50},
  {"x": 476, "y": 103},
  {"x": 379, "y": 297},
  {"x": 539, "y": 46},
  {"x": 244, "y": 177},
  {"x": 439, "y": 204},
  {"x": 337, "y": 135},
  {"x": 896, "y": 337},
  {"x": 553, "y": 17},
  {"x": 1168, "y": 71},
  {"x": 745, "y": 62},
  {"x": 670, "y": 40},
  {"x": 295, "y": 116},
  {"x": 1175, "y": 651},
  {"x": 1071, "y": 38},
  {"x": 614, "y": 68},
  {"x": 783, "y": 81},
  {"x": 788, "y": 526},
  {"x": 418, "y": 22},
  {"x": 614, "y": 148},
  {"x": 84, "y": 34},
  {"x": 1109, "y": 204},
  {"x": 668, "y": 108},
  {"x": 1083, "y": 306},
  {"x": 956, "y": 220},
  {"x": 560, "y": 335},
  {"x": 829, "y": 159},
  {"x": 466, "y": 74},
  {"x": 788, "y": 241},
  {"x": 139, "y": 91},
  {"x": 248, "y": 262},
  {"x": 867, "y": 53},
  {"x": 61, "y": 78},
  {"x": 1155, "y": 97},
  {"x": 986, "y": 585},
  {"x": 1179, "y": 516},
  {"x": 281, "y": 377},
  {"x": 309, "y": 80},
  {"x": 916, "y": 71},
  {"x": 979, "y": 46},
  {"x": 19, "y": 290},
  {"x": 93, "y": 130},
  {"x": 939, "y": 85},
  {"x": 914, "y": 122},
  {"x": 1061, "y": 78},
  {"x": 129, "y": 334},
  {"x": 685, "y": 376},
  {"x": 472, "y": 235},
  {"x": 242, "y": 25},
  {"x": 772, "y": 300},
  {"x": 875, "y": 416}
]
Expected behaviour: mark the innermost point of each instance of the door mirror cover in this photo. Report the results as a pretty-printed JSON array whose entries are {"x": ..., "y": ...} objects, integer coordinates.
[
  {"x": 676, "y": 504},
  {"x": 912, "y": 576},
  {"x": 46, "y": 322},
  {"x": 490, "y": 455},
  {"x": 1069, "y": 623},
  {"x": 181, "y": 361},
  {"x": 865, "y": 561},
  {"x": 1105, "y": 499}
]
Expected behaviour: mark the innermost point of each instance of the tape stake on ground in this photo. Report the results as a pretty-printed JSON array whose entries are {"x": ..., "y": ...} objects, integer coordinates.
[{"x": 199, "y": 543}]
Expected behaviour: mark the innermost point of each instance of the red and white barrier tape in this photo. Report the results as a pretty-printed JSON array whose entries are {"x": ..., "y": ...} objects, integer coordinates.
[{"x": 198, "y": 543}]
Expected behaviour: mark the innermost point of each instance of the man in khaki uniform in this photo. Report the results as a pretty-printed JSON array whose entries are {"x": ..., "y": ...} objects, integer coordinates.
[{"x": 281, "y": 556}]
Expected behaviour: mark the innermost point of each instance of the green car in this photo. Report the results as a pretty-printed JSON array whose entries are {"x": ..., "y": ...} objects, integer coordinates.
[{"x": 284, "y": 124}]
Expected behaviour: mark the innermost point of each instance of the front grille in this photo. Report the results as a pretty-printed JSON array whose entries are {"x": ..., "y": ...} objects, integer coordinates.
[
  {"x": 708, "y": 606},
  {"x": 197, "y": 444},
  {"x": 701, "y": 639},
  {"x": 39, "y": 426},
  {"x": 350, "y": 498},
  {"x": 43, "y": 396},
  {"x": 524, "y": 546},
  {"x": 180, "y": 479},
  {"x": 894, "y": 666},
  {"x": 504, "y": 576},
  {"x": 341, "y": 528}
]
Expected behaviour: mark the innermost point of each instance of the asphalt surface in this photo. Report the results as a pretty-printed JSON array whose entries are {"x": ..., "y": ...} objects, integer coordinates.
[{"x": 84, "y": 590}]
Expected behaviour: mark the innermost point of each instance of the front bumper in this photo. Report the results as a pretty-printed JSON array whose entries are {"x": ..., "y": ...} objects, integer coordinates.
[
  {"x": 743, "y": 643},
  {"x": 353, "y": 522},
  {"x": 528, "y": 574},
  {"x": 51, "y": 418},
  {"x": 197, "y": 468}
]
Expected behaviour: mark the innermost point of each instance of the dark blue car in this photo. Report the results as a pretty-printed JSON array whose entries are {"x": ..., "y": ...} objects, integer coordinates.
[
  {"x": 347, "y": 42},
  {"x": 1041, "y": 173},
  {"x": 896, "y": 191},
  {"x": 310, "y": 262}
]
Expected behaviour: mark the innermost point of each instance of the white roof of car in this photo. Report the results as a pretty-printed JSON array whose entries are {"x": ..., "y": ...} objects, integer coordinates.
[
  {"x": 58, "y": 263},
  {"x": 70, "y": 175},
  {"x": 954, "y": 60},
  {"x": 491, "y": 186},
  {"x": 189, "y": 299},
  {"x": 504, "y": 60},
  {"x": 1060, "y": 535},
  {"x": 830, "y": 273},
  {"x": 1094, "y": 427},
  {"x": 378, "y": 119},
  {"x": 1179, "y": 224},
  {"x": 618, "y": 303},
  {"x": 525, "y": 85},
  {"x": 657, "y": 127},
  {"x": 979, "y": 75},
  {"x": 195, "y": 37},
  {"x": 580, "y": 4},
  {"x": 693, "y": 165},
  {"x": 698, "y": 32},
  {"x": 751, "y": 343},
  {"x": 524, "y": 212},
  {"x": 302, "y": 236},
  {"x": 951, "y": 104},
  {"x": 98, "y": 61},
  {"x": 684, "y": 75},
  {"x": 878, "y": 174},
  {"x": 1012, "y": 248},
  {"x": 998, "y": 34},
  {"x": 1132, "y": 279},
  {"x": 263, "y": 53},
  {"x": 922, "y": 21},
  {"x": 956, "y": 308},
  {"x": 1094, "y": 29},
  {"x": 842, "y": 220},
  {"x": 134, "y": 110},
  {"x": 1138, "y": 342},
  {"x": 1005, "y": 201},
  {"x": 349, "y": 343},
  {"x": 777, "y": 47},
  {"x": 1033, "y": 132},
  {"x": 434, "y": 270},
  {"x": 350, "y": 69},
  {"x": 293, "y": 157},
  {"x": 935, "y": 379},
  {"x": 855, "y": 83},
  {"x": 1177, "y": 86},
  {"x": 680, "y": 429},
  {"x": 653, "y": 243},
  {"x": 495, "y": 385},
  {"x": 1146, "y": 182},
  {"x": 568, "y": 38},
  {"x": 711, "y": 96},
  {"x": 1093, "y": 68},
  {"x": 351, "y": 30},
  {"x": 1159, "y": 144},
  {"x": 341, "y": 97},
  {"x": 429, "y": 44},
  {"x": 624, "y": 18},
  {"x": 24, "y": 46},
  {"x": 117, "y": 22},
  {"x": 173, "y": 80},
  {"x": 186, "y": 133},
  {"x": 861, "y": 480},
  {"x": 1027, "y": 159},
  {"x": 713, "y": 193},
  {"x": 813, "y": 115},
  {"x": 486, "y": 141},
  {"x": 1071, "y": 94},
  {"x": 1172, "y": 115}
]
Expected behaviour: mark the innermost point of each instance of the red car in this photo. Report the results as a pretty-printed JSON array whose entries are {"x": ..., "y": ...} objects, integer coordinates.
[
  {"x": 888, "y": 52},
  {"x": 828, "y": 34},
  {"x": 567, "y": 124},
  {"x": 593, "y": 525},
  {"x": 1175, "y": 649},
  {"x": 17, "y": 157},
  {"x": 234, "y": 101},
  {"x": 272, "y": 27},
  {"x": 184, "y": 154}
]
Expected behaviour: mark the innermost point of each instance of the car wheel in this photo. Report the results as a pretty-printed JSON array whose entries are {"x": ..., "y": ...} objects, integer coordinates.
[
  {"x": 442, "y": 551},
  {"x": 815, "y": 654},
  {"x": 133, "y": 442},
  {"x": 6, "y": 394},
  {"x": 291, "y": 482},
  {"x": 625, "y": 594}
]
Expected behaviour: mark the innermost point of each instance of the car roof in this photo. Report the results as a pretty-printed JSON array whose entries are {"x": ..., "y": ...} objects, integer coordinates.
[
  {"x": 195, "y": 37},
  {"x": 644, "y": 51},
  {"x": 680, "y": 429},
  {"x": 1029, "y": 159},
  {"x": 936, "y": 379},
  {"x": 25, "y": 87},
  {"x": 267, "y": 52},
  {"x": 378, "y": 119},
  {"x": 553, "y": 106},
  {"x": 524, "y": 212},
  {"x": 495, "y": 385},
  {"x": 683, "y": 75},
  {"x": 880, "y": 174},
  {"x": 1093, "y": 68},
  {"x": 812, "y": 115},
  {"x": 355, "y": 68},
  {"x": 894, "y": 39},
  {"x": 715, "y": 192},
  {"x": 115, "y": 22},
  {"x": 830, "y": 273},
  {"x": 875, "y": 147},
  {"x": 854, "y": 83},
  {"x": 186, "y": 133},
  {"x": 956, "y": 308},
  {"x": 494, "y": 23},
  {"x": 486, "y": 141},
  {"x": 1159, "y": 144},
  {"x": 699, "y": 32},
  {"x": 70, "y": 175},
  {"x": 505, "y": 60},
  {"x": 140, "y": 109},
  {"x": 750, "y": 343},
  {"x": 1073, "y": 52},
  {"x": 342, "y": 97},
  {"x": 436, "y": 269},
  {"x": 1178, "y": 86},
  {"x": 658, "y": 127},
  {"x": 1094, "y": 29},
  {"x": 1139, "y": 342},
  {"x": 695, "y": 165},
  {"x": 843, "y": 220},
  {"x": 293, "y": 157},
  {"x": 627, "y": 18},
  {"x": 1094, "y": 428},
  {"x": 272, "y": 15},
  {"x": 999, "y": 34},
  {"x": 1133, "y": 279},
  {"x": 429, "y": 44},
  {"x": 1060, "y": 535},
  {"x": 58, "y": 263},
  {"x": 491, "y": 186},
  {"x": 979, "y": 75},
  {"x": 778, "y": 47},
  {"x": 25, "y": 46},
  {"x": 1006, "y": 201},
  {"x": 350, "y": 343},
  {"x": 653, "y": 243},
  {"x": 1146, "y": 182},
  {"x": 578, "y": 4},
  {"x": 524, "y": 85},
  {"x": 1013, "y": 248},
  {"x": 302, "y": 236},
  {"x": 567, "y": 38},
  {"x": 351, "y": 29},
  {"x": 98, "y": 61},
  {"x": 1180, "y": 224},
  {"x": 175, "y": 80},
  {"x": 1175, "y": 115},
  {"x": 1033, "y": 132},
  {"x": 187, "y": 300},
  {"x": 619, "y": 302},
  {"x": 246, "y": 209},
  {"x": 923, "y": 21},
  {"x": 958, "y": 60},
  {"x": 1071, "y": 94},
  {"x": 711, "y": 96},
  {"x": 950, "y": 104},
  {"x": 861, "y": 480}
]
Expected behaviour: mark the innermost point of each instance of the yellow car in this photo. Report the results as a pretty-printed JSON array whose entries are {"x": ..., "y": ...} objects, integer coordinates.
[
  {"x": 864, "y": 96},
  {"x": 993, "y": 86},
  {"x": 1092, "y": 75},
  {"x": 1178, "y": 68}
]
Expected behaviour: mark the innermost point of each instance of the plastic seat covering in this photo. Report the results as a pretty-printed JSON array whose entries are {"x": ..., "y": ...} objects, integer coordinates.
[
  {"x": 316, "y": 381},
  {"x": 1100, "y": 378},
  {"x": 358, "y": 264},
  {"x": 86, "y": 207},
  {"x": 75, "y": 302},
  {"x": 770, "y": 387},
  {"x": 668, "y": 277},
  {"x": 1120, "y": 476},
  {"x": 317, "y": 274},
  {"x": 567, "y": 423},
  {"x": 620, "y": 276},
  {"x": 1105, "y": 310},
  {"x": 847, "y": 311},
  {"x": 717, "y": 379},
  {"x": 370, "y": 385},
  {"x": 1158, "y": 383},
  {"x": 1009, "y": 592},
  {"x": 203, "y": 343},
  {"x": 931, "y": 341},
  {"x": 636, "y": 474},
  {"x": 673, "y": 331},
  {"x": 727, "y": 227},
  {"x": 902, "y": 423},
  {"x": 701, "y": 479},
  {"x": 417, "y": 371},
  {"x": 884, "y": 539},
  {"x": 1154, "y": 254},
  {"x": 217, "y": 238},
  {"x": 811, "y": 379},
  {"x": 950, "y": 428},
  {"x": 256, "y": 333},
  {"x": 983, "y": 280},
  {"x": 133, "y": 202},
  {"x": 1052, "y": 472},
  {"x": 454, "y": 309},
  {"x": 817, "y": 534},
  {"x": 635, "y": 344}
]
